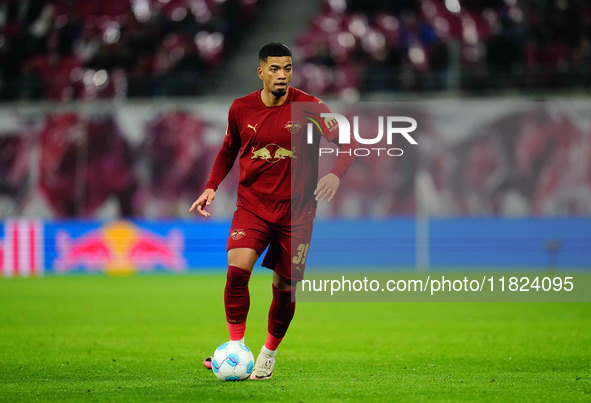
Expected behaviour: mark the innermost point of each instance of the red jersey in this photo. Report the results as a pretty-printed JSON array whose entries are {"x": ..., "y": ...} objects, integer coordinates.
[{"x": 271, "y": 145}]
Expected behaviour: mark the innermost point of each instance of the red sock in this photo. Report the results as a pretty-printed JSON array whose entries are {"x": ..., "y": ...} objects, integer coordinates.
[
  {"x": 272, "y": 342},
  {"x": 280, "y": 315},
  {"x": 237, "y": 301}
]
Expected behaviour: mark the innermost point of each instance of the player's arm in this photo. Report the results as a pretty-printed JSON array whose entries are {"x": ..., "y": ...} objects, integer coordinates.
[
  {"x": 329, "y": 184},
  {"x": 222, "y": 165}
]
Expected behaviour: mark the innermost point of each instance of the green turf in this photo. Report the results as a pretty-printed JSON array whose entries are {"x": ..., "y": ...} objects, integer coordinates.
[{"x": 143, "y": 338}]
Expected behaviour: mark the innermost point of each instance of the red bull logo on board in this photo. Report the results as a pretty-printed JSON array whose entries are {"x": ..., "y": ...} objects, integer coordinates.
[{"x": 120, "y": 248}]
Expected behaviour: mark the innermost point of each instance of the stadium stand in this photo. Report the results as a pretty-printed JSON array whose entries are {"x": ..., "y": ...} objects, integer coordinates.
[
  {"x": 446, "y": 44},
  {"x": 62, "y": 49}
]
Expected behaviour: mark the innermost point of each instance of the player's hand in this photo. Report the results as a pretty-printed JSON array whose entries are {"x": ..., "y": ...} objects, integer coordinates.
[
  {"x": 204, "y": 200},
  {"x": 327, "y": 187}
]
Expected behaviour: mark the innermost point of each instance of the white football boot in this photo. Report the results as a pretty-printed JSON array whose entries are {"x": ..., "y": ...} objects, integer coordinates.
[{"x": 263, "y": 368}]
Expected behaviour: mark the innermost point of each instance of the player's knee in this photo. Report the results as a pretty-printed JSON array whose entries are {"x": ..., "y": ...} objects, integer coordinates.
[
  {"x": 242, "y": 258},
  {"x": 282, "y": 283},
  {"x": 241, "y": 264}
]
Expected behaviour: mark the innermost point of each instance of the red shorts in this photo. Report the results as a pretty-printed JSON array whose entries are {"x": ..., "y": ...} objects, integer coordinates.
[{"x": 288, "y": 245}]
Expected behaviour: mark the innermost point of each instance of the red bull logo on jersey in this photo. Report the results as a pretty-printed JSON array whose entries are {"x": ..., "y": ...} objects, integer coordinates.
[
  {"x": 238, "y": 234},
  {"x": 272, "y": 153},
  {"x": 120, "y": 248},
  {"x": 293, "y": 126}
]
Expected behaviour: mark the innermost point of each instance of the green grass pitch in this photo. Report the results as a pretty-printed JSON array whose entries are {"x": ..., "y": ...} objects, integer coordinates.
[{"x": 142, "y": 338}]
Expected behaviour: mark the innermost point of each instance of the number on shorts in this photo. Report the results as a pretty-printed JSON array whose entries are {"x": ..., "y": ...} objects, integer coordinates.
[{"x": 300, "y": 258}]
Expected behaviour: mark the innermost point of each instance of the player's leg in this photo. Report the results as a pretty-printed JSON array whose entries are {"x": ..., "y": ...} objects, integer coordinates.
[
  {"x": 281, "y": 313},
  {"x": 293, "y": 242},
  {"x": 247, "y": 240},
  {"x": 236, "y": 294},
  {"x": 288, "y": 258}
]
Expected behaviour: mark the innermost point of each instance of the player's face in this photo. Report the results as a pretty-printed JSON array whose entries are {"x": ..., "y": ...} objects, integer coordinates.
[{"x": 276, "y": 74}]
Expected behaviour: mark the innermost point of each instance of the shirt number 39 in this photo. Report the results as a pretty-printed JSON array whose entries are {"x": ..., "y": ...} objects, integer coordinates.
[{"x": 302, "y": 253}]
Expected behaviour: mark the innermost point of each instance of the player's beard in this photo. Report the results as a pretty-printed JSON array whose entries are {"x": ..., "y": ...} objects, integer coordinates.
[{"x": 279, "y": 93}]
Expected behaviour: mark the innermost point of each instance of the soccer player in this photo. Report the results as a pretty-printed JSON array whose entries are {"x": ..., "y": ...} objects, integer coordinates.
[{"x": 275, "y": 205}]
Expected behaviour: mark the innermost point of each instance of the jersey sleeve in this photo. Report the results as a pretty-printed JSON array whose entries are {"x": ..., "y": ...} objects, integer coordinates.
[
  {"x": 227, "y": 155},
  {"x": 330, "y": 131},
  {"x": 329, "y": 125},
  {"x": 345, "y": 158}
]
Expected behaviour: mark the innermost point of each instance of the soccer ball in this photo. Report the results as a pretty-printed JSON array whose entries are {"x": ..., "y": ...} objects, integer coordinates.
[{"x": 232, "y": 361}]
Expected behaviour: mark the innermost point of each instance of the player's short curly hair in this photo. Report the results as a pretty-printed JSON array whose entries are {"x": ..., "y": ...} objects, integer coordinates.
[{"x": 274, "y": 49}]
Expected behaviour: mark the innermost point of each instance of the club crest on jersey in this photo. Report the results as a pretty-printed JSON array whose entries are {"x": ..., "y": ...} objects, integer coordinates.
[
  {"x": 293, "y": 126},
  {"x": 331, "y": 123},
  {"x": 238, "y": 234},
  {"x": 272, "y": 153}
]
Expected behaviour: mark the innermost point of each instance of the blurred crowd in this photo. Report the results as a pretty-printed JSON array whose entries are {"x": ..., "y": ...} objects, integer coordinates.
[
  {"x": 471, "y": 45},
  {"x": 68, "y": 49}
]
